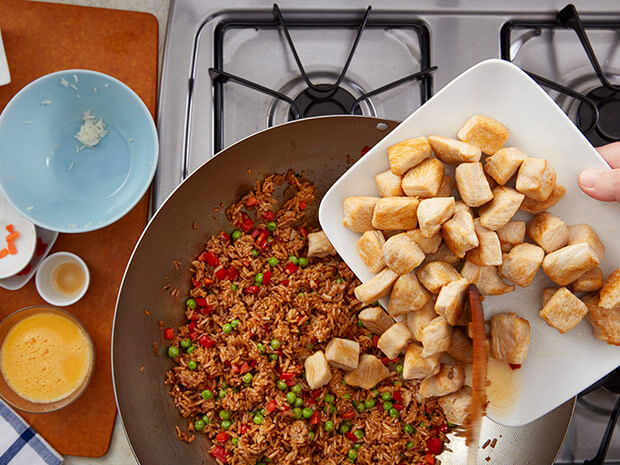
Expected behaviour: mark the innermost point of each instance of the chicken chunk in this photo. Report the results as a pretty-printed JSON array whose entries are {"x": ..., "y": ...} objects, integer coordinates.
[
  {"x": 499, "y": 211},
  {"x": 417, "y": 321},
  {"x": 486, "y": 279},
  {"x": 449, "y": 379},
  {"x": 610, "y": 292},
  {"x": 443, "y": 254},
  {"x": 521, "y": 264},
  {"x": 458, "y": 232},
  {"x": 511, "y": 234},
  {"x": 370, "y": 249},
  {"x": 319, "y": 245},
  {"x": 484, "y": 132},
  {"x": 370, "y": 371},
  {"x": 427, "y": 245},
  {"x": 434, "y": 275},
  {"x": 417, "y": 367},
  {"x": 423, "y": 180},
  {"x": 504, "y": 164},
  {"x": 455, "y": 406},
  {"x": 454, "y": 151},
  {"x": 343, "y": 353},
  {"x": 395, "y": 213},
  {"x": 358, "y": 213},
  {"x": 536, "y": 179},
  {"x": 394, "y": 340},
  {"x": 567, "y": 264},
  {"x": 407, "y": 154},
  {"x": 375, "y": 319},
  {"x": 401, "y": 253},
  {"x": 510, "y": 337},
  {"x": 432, "y": 213},
  {"x": 447, "y": 186},
  {"x": 547, "y": 293},
  {"x": 548, "y": 231},
  {"x": 407, "y": 295},
  {"x": 436, "y": 337},
  {"x": 317, "y": 370},
  {"x": 388, "y": 184},
  {"x": 534, "y": 206},
  {"x": 605, "y": 322},
  {"x": 472, "y": 184},
  {"x": 376, "y": 287},
  {"x": 564, "y": 310},
  {"x": 451, "y": 299},
  {"x": 584, "y": 234},
  {"x": 489, "y": 251},
  {"x": 461, "y": 347}
]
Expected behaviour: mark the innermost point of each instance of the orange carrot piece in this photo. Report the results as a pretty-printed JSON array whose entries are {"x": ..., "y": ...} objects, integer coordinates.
[
  {"x": 11, "y": 247},
  {"x": 10, "y": 228},
  {"x": 12, "y": 236},
  {"x": 3, "y": 253}
]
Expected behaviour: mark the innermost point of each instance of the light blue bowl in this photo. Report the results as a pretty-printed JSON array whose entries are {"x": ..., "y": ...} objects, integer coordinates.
[{"x": 53, "y": 183}]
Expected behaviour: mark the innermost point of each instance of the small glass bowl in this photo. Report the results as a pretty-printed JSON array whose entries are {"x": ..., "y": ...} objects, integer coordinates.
[{"x": 14, "y": 399}]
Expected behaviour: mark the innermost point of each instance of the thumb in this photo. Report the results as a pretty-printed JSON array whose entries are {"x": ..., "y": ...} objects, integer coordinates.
[{"x": 601, "y": 184}]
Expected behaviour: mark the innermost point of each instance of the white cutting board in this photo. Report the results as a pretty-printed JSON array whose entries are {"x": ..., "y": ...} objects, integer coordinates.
[{"x": 558, "y": 366}]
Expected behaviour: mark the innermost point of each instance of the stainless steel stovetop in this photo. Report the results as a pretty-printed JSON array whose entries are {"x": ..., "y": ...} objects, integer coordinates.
[{"x": 230, "y": 69}]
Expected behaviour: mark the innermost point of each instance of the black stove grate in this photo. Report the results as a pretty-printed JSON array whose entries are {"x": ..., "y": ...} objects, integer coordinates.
[{"x": 316, "y": 99}]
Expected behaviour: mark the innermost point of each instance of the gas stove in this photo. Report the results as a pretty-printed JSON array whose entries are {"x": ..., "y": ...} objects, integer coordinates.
[{"x": 235, "y": 67}]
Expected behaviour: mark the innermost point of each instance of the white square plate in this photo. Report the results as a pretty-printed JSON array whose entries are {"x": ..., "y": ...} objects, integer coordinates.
[{"x": 558, "y": 366}]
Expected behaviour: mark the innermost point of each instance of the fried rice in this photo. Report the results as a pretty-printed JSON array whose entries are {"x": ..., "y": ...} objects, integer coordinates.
[{"x": 257, "y": 309}]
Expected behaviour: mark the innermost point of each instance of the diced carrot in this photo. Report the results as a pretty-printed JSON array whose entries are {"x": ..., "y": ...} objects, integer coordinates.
[
  {"x": 12, "y": 236},
  {"x": 9, "y": 228},
  {"x": 11, "y": 248},
  {"x": 3, "y": 253}
]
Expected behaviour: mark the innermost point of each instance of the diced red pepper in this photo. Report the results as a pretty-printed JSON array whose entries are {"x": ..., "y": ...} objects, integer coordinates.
[
  {"x": 235, "y": 369},
  {"x": 302, "y": 205},
  {"x": 266, "y": 277},
  {"x": 398, "y": 406},
  {"x": 348, "y": 415},
  {"x": 316, "y": 393},
  {"x": 251, "y": 290},
  {"x": 315, "y": 418},
  {"x": 201, "y": 301},
  {"x": 222, "y": 436},
  {"x": 253, "y": 363},
  {"x": 254, "y": 233},
  {"x": 195, "y": 283},
  {"x": 206, "y": 310},
  {"x": 210, "y": 258},
  {"x": 434, "y": 445},
  {"x": 193, "y": 335},
  {"x": 261, "y": 239},
  {"x": 207, "y": 281},
  {"x": 285, "y": 407},
  {"x": 221, "y": 274},
  {"x": 193, "y": 317},
  {"x": 515, "y": 366},
  {"x": 364, "y": 150},
  {"x": 251, "y": 201},
  {"x": 443, "y": 428},
  {"x": 192, "y": 325},
  {"x": 225, "y": 237},
  {"x": 290, "y": 268},
  {"x": 232, "y": 273},
  {"x": 385, "y": 360},
  {"x": 206, "y": 342},
  {"x": 168, "y": 333},
  {"x": 429, "y": 459},
  {"x": 397, "y": 396},
  {"x": 310, "y": 401},
  {"x": 219, "y": 453},
  {"x": 244, "y": 428},
  {"x": 288, "y": 375},
  {"x": 271, "y": 406},
  {"x": 247, "y": 224},
  {"x": 269, "y": 215},
  {"x": 284, "y": 283},
  {"x": 303, "y": 231},
  {"x": 375, "y": 339},
  {"x": 350, "y": 436},
  {"x": 244, "y": 368},
  {"x": 290, "y": 382}
]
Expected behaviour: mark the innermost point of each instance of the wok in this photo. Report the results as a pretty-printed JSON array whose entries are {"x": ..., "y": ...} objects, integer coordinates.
[{"x": 323, "y": 148}]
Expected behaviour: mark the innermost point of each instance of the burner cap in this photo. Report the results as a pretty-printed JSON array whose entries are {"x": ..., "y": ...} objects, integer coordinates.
[
  {"x": 325, "y": 101},
  {"x": 608, "y": 103}
]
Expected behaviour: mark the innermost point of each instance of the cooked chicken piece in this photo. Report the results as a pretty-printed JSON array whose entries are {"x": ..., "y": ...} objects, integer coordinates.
[
  {"x": 394, "y": 340},
  {"x": 472, "y": 184},
  {"x": 489, "y": 251},
  {"x": 401, "y": 253},
  {"x": 484, "y": 132},
  {"x": 510, "y": 337},
  {"x": 434, "y": 275},
  {"x": 443, "y": 254},
  {"x": 423, "y": 180},
  {"x": 417, "y": 321},
  {"x": 455, "y": 406},
  {"x": 427, "y": 244},
  {"x": 584, "y": 234},
  {"x": 407, "y": 154},
  {"x": 605, "y": 322},
  {"x": 536, "y": 179},
  {"x": 511, "y": 234},
  {"x": 499, "y": 211},
  {"x": 547, "y": 294},
  {"x": 319, "y": 245},
  {"x": 450, "y": 300},
  {"x": 447, "y": 187},
  {"x": 610, "y": 292},
  {"x": 343, "y": 353},
  {"x": 521, "y": 264},
  {"x": 395, "y": 213},
  {"x": 436, "y": 337},
  {"x": 388, "y": 184},
  {"x": 461, "y": 347},
  {"x": 486, "y": 279},
  {"x": 564, "y": 310},
  {"x": 458, "y": 232},
  {"x": 417, "y": 367},
  {"x": 449, "y": 379},
  {"x": 370, "y": 248},
  {"x": 407, "y": 295},
  {"x": 317, "y": 370},
  {"x": 375, "y": 319},
  {"x": 454, "y": 151},
  {"x": 590, "y": 281},
  {"x": 376, "y": 287},
  {"x": 548, "y": 231},
  {"x": 535, "y": 207},
  {"x": 568, "y": 263},
  {"x": 369, "y": 372},
  {"x": 358, "y": 213},
  {"x": 432, "y": 213},
  {"x": 504, "y": 164}
]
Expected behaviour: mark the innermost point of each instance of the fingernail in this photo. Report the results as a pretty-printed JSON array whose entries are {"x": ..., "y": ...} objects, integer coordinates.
[{"x": 589, "y": 178}]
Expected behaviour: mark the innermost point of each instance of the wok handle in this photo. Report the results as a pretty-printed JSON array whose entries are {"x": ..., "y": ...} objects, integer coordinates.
[{"x": 599, "y": 458}]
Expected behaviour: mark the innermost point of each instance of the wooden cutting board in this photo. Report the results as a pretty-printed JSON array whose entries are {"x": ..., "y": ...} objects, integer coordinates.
[{"x": 40, "y": 38}]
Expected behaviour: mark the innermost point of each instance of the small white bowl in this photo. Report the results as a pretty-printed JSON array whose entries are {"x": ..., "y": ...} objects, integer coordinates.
[{"x": 43, "y": 279}]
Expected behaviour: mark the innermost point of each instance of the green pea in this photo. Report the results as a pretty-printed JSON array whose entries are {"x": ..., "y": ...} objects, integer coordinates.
[
  {"x": 273, "y": 357},
  {"x": 360, "y": 407},
  {"x": 247, "y": 378},
  {"x": 261, "y": 348},
  {"x": 375, "y": 392},
  {"x": 235, "y": 441},
  {"x": 451, "y": 425},
  {"x": 369, "y": 403},
  {"x": 410, "y": 445},
  {"x": 399, "y": 369},
  {"x": 262, "y": 411},
  {"x": 297, "y": 412},
  {"x": 226, "y": 424},
  {"x": 254, "y": 253},
  {"x": 199, "y": 425},
  {"x": 311, "y": 435},
  {"x": 290, "y": 397},
  {"x": 329, "y": 426},
  {"x": 273, "y": 261},
  {"x": 258, "y": 279},
  {"x": 386, "y": 396},
  {"x": 234, "y": 287},
  {"x": 387, "y": 406},
  {"x": 422, "y": 424},
  {"x": 346, "y": 396},
  {"x": 358, "y": 433},
  {"x": 307, "y": 412},
  {"x": 271, "y": 225},
  {"x": 191, "y": 304},
  {"x": 222, "y": 393},
  {"x": 298, "y": 402},
  {"x": 409, "y": 429},
  {"x": 275, "y": 344},
  {"x": 227, "y": 328},
  {"x": 190, "y": 349},
  {"x": 236, "y": 234},
  {"x": 303, "y": 262},
  {"x": 393, "y": 413},
  {"x": 301, "y": 295},
  {"x": 206, "y": 419},
  {"x": 350, "y": 460},
  {"x": 235, "y": 323},
  {"x": 224, "y": 414},
  {"x": 357, "y": 446},
  {"x": 207, "y": 394},
  {"x": 352, "y": 454},
  {"x": 281, "y": 385},
  {"x": 329, "y": 398},
  {"x": 173, "y": 351},
  {"x": 344, "y": 428},
  {"x": 258, "y": 419},
  {"x": 296, "y": 389},
  {"x": 339, "y": 280},
  {"x": 192, "y": 365},
  {"x": 293, "y": 259},
  {"x": 186, "y": 342},
  {"x": 359, "y": 323}
]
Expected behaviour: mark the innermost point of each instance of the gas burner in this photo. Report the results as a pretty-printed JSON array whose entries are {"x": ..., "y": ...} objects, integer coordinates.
[
  {"x": 607, "y": 102},
  {"x": 325, "y": 100}
]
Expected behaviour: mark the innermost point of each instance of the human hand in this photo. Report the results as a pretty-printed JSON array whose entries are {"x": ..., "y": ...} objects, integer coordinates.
[{"x": 603, "y": 184}]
